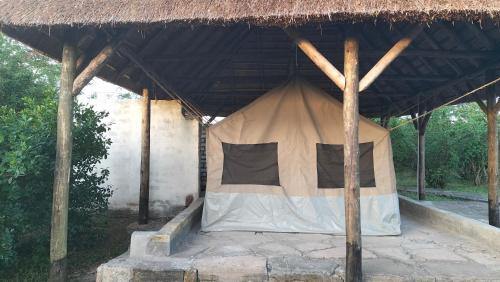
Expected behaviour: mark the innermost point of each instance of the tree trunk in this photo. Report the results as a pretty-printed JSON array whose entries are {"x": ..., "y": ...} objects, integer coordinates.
[
  {"x": 145, "y": 150},
  {"x": 59, "y": 230},
  {"x": 351, "y": 162}
]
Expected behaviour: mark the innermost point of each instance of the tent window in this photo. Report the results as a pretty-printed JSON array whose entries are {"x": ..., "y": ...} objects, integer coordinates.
[
  {"x": 250, "y": 164},
  {"x": 330, "y": 165}
]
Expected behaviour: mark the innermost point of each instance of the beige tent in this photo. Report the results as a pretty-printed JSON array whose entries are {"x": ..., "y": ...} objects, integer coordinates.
[{"x": 277, "y": 165}]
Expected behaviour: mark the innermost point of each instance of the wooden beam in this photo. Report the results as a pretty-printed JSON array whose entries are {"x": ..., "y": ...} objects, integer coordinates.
[
  {"x": 384, "y": 40},
  {"x": 164, "y": 85},
  {"x": 94, "y": 66},
  {"x": 423, "y": 118},
  {"x": 414, "y": 120},
  {"x": 492, "y": 117},
  {"x": 458, "y": 40},
  {"x": 270, "y": 78},
  {"x": 461, "y": 79},
  {"x": 482, "y": 106},
  {"x": 384, "y": 121},
  {"x": 434, "y": 44},
  {"x": 251, "y": 55},
  {"x": 145, "y": 153},
  {"x": 351, "y": 162},
  {"x": 480, "y": 34},
  {"x": 60, "y": 197},
  {"x": 388, "y": 58},
  {"x": 318, "y": 59}
]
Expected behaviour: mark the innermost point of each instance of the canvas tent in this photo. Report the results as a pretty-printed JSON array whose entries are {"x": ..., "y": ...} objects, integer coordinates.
[{"x": 277, "y": 165}]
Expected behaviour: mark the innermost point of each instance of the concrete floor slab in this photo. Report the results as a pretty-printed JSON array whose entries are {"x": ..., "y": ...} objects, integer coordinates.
[
  {"x": 436, "y": 254},
  {"x": 421, "y": 253}
]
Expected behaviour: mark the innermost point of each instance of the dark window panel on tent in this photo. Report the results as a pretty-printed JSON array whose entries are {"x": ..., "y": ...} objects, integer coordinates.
[
  {"x": 330, "y": 165},
  {"x": 250, "y": 164}
]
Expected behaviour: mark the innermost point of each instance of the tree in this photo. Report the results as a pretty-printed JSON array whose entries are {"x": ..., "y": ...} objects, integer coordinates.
[
  {"x": 28, "y": 121},
  {"x": 455, "y": 145}
]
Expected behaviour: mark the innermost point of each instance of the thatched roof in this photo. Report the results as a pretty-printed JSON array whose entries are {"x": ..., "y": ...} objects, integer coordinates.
[
  {"x": 266, "y": 12},
  {"x": 213, "y": 53}
]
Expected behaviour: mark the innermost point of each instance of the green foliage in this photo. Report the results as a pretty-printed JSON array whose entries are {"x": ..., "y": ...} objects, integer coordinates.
[
  {"x": 28, "y": 122},
  {"x": 455, "y": 146},
  {"x": 404, "y": 143}
]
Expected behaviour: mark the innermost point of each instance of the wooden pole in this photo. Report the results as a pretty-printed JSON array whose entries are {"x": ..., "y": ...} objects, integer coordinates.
[
  {"x": 95, "y": 65},
  {"x": 384, "y": 121},
  {"x": 145, "y": 150},
  {"x": 318, "y": 59},
  {"x": 351, "y": 162},
  {"x": 421, "y": 163},
  {"x": 387, "y": 59},
  {"x": 421, "y": 126},
  {"x": 60, "y": 198},
  {"x": 492, "y": 113}
]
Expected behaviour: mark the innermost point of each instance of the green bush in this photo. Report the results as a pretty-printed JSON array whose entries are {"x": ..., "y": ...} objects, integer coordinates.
[
  {"x": 456, "y": 146},
  {"x": 28, "y": 121}
]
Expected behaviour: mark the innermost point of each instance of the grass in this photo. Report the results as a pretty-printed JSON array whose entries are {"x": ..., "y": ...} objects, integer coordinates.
[
  {"x": 428, "y": 197},
  {"x": 407, "y": 179}
]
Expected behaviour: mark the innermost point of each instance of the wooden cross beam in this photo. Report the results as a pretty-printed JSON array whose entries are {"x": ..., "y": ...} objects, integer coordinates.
[
  {"x": 164, "y": 85},
  {"x": 335, "y": 75},
  {"x": 318, "y": 59},
  {"x": 461, "y": 79},
  {"x": 387, "y": 59},
  {"x": 95, "y": 65}
]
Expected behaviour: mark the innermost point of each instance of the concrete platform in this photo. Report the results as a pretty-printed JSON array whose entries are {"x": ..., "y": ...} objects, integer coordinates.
[
  {"x": 435, "y": 245},
  {"x": 423, "y": 252}
]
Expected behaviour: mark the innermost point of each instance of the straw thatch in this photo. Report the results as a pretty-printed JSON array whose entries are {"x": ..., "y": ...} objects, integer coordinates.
[
  {"x": 220, "y": 61},
  {"x": 266, "y": 12}
]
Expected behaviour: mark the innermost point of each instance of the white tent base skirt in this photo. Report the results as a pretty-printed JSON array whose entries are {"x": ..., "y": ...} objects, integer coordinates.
[{"x": 277, "y": 213}]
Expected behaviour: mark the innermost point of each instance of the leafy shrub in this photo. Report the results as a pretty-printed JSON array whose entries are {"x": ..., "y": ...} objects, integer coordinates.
[
  {"x": 456, "y": 146},
  {"x": 28, "y": 122},
  {"x": 437, "y": 177}
]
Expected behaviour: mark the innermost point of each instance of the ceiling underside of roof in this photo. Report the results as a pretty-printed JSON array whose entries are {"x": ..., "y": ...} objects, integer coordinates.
[{"x": 223, "y": 68}]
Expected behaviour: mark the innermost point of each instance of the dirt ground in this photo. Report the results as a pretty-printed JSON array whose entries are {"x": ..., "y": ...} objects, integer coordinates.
[{"x": 121, "y": 224}]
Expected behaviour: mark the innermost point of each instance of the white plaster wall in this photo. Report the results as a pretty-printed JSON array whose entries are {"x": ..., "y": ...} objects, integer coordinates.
[{"x": 174, "y": 159}]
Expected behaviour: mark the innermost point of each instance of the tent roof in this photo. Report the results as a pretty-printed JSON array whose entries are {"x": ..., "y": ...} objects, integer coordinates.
[{"x": 277, "y": 12}]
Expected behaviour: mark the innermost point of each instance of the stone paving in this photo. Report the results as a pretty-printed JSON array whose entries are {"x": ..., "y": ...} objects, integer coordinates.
[{"x": 421, "y": 253}]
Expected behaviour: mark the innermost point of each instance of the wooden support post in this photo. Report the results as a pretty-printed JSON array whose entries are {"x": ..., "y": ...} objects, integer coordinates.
[
  {"x": 351, "y": 162},
  {"x": 421, "y": 125},
  {"x": 318, "y": 59},
  {"x": 384, "y": 121},
  {"x": 492, "y": 117},
  {"x": 145, "y": 150},
  {"x": 421, "y": 163},
  {"x": 60, "y": 198}
]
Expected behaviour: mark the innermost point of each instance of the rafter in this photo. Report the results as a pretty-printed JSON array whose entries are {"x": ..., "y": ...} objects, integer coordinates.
[
  {"x": 318, "y": 59},
  {"x": 387, "y": 59},
  {"x": 460, "y": 79},
  {"x": 232, "y": 48},
  {"x": 164, "y": 85},
  {"x": 482, "y": 106},
  {"x": 96, "y": 64},
  {"x": 436, "y": 46},
  {"x": 480, "y": 34},
  {"x": 459, "y": 41}
]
